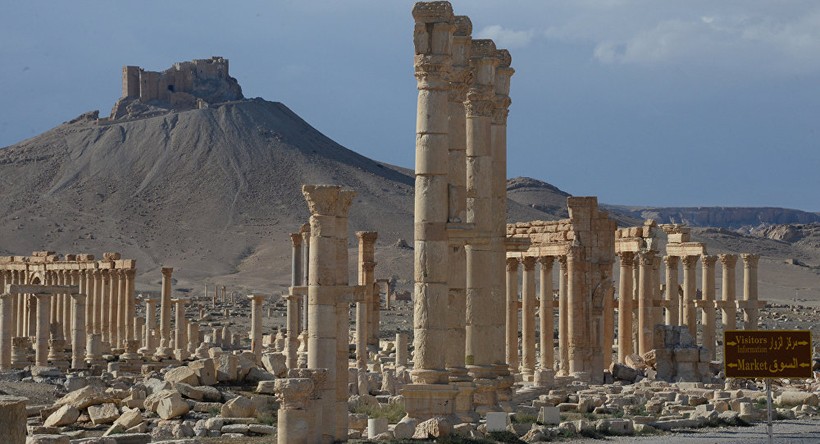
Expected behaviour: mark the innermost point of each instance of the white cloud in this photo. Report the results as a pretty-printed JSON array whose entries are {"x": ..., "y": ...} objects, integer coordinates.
[{"x": 506, "y": 38}]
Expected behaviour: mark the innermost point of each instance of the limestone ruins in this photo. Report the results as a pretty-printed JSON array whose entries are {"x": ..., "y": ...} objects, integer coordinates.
[{"x": 520, "y": 320}]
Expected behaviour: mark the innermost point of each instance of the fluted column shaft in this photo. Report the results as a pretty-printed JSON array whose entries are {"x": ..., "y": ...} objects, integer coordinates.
[
  {"x": 546, "y": 315},
  {"x": 528, "y": 319}
]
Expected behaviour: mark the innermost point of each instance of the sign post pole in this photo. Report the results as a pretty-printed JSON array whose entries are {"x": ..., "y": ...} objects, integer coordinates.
[{"x": 769, "y": 409}]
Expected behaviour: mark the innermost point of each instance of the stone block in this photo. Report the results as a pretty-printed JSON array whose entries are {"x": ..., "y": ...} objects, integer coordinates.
[
  {"x": 437, "y": 427},
  {"x": 63, "y": 416},
  {"x": 497, "y": 421},
  {"x": 48, "y": 439},
  {"x": 172, "y": 407},
  {"x": 376, "y": 426},
  {"x": 239, "y": 407},
  {"x": 130, "y": 418},
  {"x": 549, "y": 415},
  {"x": 103, "y": 414},
  {"x": 622, "y": 372},
  {"x": 85, "y": 397},
  {"x": 228, "y": 369},
  {"x": 185, "y": 374}
]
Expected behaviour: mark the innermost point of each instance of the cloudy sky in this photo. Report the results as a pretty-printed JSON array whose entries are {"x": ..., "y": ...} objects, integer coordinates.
[{"x": 687, "y": 102}]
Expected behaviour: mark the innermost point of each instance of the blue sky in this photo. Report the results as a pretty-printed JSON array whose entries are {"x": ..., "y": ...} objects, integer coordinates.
[{"x": 667, "y": 103}]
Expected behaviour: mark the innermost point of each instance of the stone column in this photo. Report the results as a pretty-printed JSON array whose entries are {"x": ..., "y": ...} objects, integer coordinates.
[
  {"x": 751, "y": 309},
  {"x": 293, "y": 422},
  {"x": 528, "y": 319},
  {"x": 130, "y": 305},
  {"x": 457, "y": 211},
  {"x": 657, "y": 297},
  {"x": 708, "y": 303},
  {"x": 546, "y": 315},
  {"x": 291, "y": 350},
  {"x": 485, "y": 325},
  {"x": 6, "y": 330},
  {"x": 41, "y": 346},
  {"x": 296, "y": 271},
  {"x": 256, "y": 325},
  {"x": 165, "y": 314},
  {"x": 180, "y": 330},
  {"x": 113, "y": 308},
  {"x": 728, "y": 302},
  {"x": 322, "y": 299},
  {"x": 98, "y": 301},
  {"x": 689, "y": 318},
  {"x": 344, "y": 299},
  {"x": 89, "y": 302},
  {"x": 150, "y": 325},
  {"x": 625, "y": 306},
  {"x": 512, "y": 313},
  {"x": 645, "y": 327},
  {"x": 576, "y": 312},
  {"x": 305, "y": 270},
  {"x": 401, "y": 350},
  {"x": 369, "y": 308},
  {"x": 563, "y": 314},
  {"x": 122, "y": 310},
  {"x": 673, "y": 304},
  {"x": 78, "y": 337},
  {"x": 430, "y": 395}
]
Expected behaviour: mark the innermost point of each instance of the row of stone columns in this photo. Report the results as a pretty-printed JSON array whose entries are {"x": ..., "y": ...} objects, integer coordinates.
[{"x": 638, "y": 267}]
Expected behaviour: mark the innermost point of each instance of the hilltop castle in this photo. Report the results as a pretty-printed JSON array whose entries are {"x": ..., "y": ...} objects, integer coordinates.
[{"x": 186, "y": 85}]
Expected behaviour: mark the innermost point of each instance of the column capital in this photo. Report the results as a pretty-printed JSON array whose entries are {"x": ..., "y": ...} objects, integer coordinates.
[
  {"x": 79, "y": 297},
  {"x": 512, "y": 263},
  {"x": 728, "y": 260},
  {"x": 345, "y": 200},
  {"x": 671, "y": 261},
  {"x": 647, "y": 258},
  {"x": 367, "y": 236},
  {"x": 322, "y": 200},
  {"x": 368, "y": 265},
  {"x": 166, "y": 271},
  {"x": 5, "y": 296},
  {"x": 182, "y": 301},
  {"x": 529, "y": 262},
  {"x": 432, "y": 39},
  {"x": 562, "y": 262},
  {"x": 256, "y": 298},
  {"x": 130, "y": 273},
  {"x": 708, "y": 261},
  {"x": 689, "y": 261},
  {"x": 626, "y": 258},
  {"x": 296, "y": 238},
  {"x": 546, "y": 261},
  {"x": 750, "y": 260}
]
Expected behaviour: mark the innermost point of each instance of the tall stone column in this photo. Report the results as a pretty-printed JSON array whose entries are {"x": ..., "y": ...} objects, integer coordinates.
[
  {"x": 563, "y": 314},
  {"x": 457, "y": 211},
  {"x": 296, "y": 272},
  {"x": 305, "y": 270},
  {"x": 430, "y": 395},
  {"x": 131, "y": 303},
  {"x": 256, "y": 325},
  {"x": 485, "y": 325},
  {"x": 689, "y": 289},
  {"x": 165, "y": 314},
  {"x": 114, "y": 307},
  {"x": 78, "y": 337},
  {"x": 645, "y": 327},
  {"x": 672, "y": 296},
  {"x": 528, "y": 319},
  {"x": 751, "y": 311},
  {"x": 367, "y": 278},
  {"x": 546, "y": 315},
  {"x": 89, "y": 301},
  {"x": 6, "y": 330},
  {"x": 576, "y": 312},
  {"x": 180, "y": 330},
  {"x": 323, "y": 201},
  {"x": 512, "y": 313},
  {"x": 657, "y": 297},
  {"x": 342, "y": 310},
  {"x": 98, "y": 301},
  {"x": 728, "y": 303},
  {"x": 708, "y": 302},
  {"x": 625, "y": 306},
  {"x": 41, "y": 346},
  {"x": 122, "y": 310},
  {"x": 150, "y": 325}
]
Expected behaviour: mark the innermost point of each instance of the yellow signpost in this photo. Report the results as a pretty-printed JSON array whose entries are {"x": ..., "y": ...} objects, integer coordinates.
[{"x": 767, "y": 354}]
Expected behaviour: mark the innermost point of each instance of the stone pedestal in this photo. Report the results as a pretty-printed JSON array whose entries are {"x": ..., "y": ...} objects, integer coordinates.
[
  {"x": 56, "y": 354},
  {"x": 20, "y": 347},
  {"x": 93, "y": 350},
  {"x": 429, "y": 400},
  {"x": 13, "y": 419}
]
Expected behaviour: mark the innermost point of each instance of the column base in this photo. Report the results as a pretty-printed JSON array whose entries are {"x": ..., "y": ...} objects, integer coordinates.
[
  {"x": 465, "y": 410},
  {"x": 425, "y": 401}
]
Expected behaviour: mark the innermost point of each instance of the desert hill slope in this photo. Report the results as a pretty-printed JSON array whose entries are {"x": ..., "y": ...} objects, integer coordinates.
[{"x": 212, "y": 192}]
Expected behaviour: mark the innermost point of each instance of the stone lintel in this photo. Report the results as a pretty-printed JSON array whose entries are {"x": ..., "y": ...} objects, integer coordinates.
[
  {"x": 633, "y": 245},
  {"x": 686, "y": 249},
  {"x": 299, "y": 290},
  {"x": 517, "y": 244},
  {"x": 700, "y": 303},
  {"x": 42, "y": 289}
]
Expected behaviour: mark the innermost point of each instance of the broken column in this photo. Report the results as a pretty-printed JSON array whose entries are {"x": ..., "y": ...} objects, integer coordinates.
[
  {"x": 180, "y": 330},
  {"x": 291, "y": 355},
  {"x": 293, "y": 422},
  {"x": 528, "y": 319},
  {"x": 256, "y": 325},
  {"x": 150, "y": 324},
  {"x": 365, "y": 312},
  {"x": 429, "y": 394},
  {"x": 727, "y": 304},
  {"x": 751, "y": 309}
]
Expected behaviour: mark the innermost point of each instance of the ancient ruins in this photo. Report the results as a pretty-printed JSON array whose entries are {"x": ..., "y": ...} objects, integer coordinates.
[{"x": 546, "y": 322}]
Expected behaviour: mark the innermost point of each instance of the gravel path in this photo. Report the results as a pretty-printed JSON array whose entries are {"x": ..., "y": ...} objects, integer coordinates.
[{"x": 792, "y": 431}]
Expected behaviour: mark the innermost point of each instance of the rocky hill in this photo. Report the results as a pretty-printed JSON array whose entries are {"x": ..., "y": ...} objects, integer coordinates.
[{"x": 723, "y": 217}]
